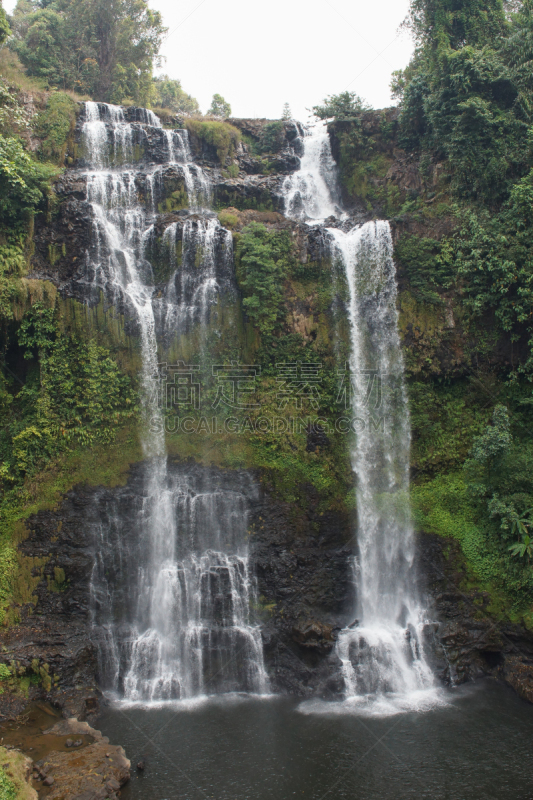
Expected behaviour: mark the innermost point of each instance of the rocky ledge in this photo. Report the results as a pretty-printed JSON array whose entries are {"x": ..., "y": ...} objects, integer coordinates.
[
  {"x": 469, "y": 642},
  {"x": 96, "y": 772}
]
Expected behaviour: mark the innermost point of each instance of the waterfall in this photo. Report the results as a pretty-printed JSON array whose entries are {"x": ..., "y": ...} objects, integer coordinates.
[
  {"x": 206, "y": 263},
  {"x": 382, "y": 651},
  {"x": 311, "y": 193},
  {"x": 382, "y": 654},
  {"x": 173, "y": 608}
]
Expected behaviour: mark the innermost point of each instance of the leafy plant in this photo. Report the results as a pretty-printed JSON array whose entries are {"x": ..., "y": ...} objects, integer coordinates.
[
  {"x": 263, "y": 260},
  {"x": 272, "y": 138},
  {"x": 523, "y": 548},
  {"x": 13, "y": 116},
  {"x": 54, "y": 124},
  {"x": 106, "y": 49},
  {"x": 5, "y": 30},
  {"x": 168, "y": 93},
  {"x": 23, "y": 181},
  {"x": 341, "y": 107}
]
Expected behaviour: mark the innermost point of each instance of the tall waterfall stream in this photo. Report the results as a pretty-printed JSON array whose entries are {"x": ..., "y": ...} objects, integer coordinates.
[{"x": 382, "y": 652}]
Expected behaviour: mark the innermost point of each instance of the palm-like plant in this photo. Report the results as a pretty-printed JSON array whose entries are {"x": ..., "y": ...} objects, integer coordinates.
[{"x": 521, "y": 526}]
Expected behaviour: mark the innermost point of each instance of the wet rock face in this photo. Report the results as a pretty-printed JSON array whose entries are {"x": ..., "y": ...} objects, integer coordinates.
[
  {"x": 54, "y": 627},
  {"x": 301, "y": 561},
  {"x": 250, "y": 191},
  {"x": 305, "y": 581},
  {"x": 468, "y": 643},
  {"x": 62, "y": 239}
]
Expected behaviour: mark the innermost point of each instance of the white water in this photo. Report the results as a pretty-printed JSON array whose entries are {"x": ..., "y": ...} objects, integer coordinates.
[
  {"x": 206, "y": 259},
  {"x": 383, "y": 662},
  {"x": 311, "y": 193},
  {"x": 185, "y": 629},
  {"x": 384, "y": 666}
]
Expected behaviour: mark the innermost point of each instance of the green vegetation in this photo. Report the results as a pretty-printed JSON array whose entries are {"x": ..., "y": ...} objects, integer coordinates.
[
  {"x": 428, "y": 265},
  {"x": 343, "y": 107},
  {"x": 17, "y": 679},
  {"x": 23, "y": 181},
  {"x": 272, "y": 138},
  {"x": 104, "y": 49},
  {"x": 487, "y": 507},
  {"x": 264, "y": 262},
  {"x": 7, "y": 787},
  {"x": 222, "y": 136},
  {"x": 74, "y": 392},
  {"x": 169, "y": 94},
  {"x": 54, "y": 125},
  {"x": 219, "y": 107},
  {"x": 13, "y": 772},
  {"x": 5, "y": 30}
]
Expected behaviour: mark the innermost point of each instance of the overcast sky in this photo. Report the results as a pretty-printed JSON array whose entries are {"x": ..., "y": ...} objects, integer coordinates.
[{"x": 261, "y": 55}]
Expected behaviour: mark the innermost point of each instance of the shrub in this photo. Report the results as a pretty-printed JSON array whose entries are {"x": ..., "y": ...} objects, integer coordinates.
[
  {"x": 54, "y": 125},
  {"x": 220, "y": 135},
  {"x": 23, "y": 181}
]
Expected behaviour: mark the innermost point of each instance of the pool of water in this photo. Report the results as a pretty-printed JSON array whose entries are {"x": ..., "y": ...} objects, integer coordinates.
[{"x": 475, "y": 746}]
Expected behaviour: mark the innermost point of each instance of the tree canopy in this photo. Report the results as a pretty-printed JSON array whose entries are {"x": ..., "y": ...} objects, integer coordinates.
[
  {"x": 344, "y": 106},
  {"x": 169, "y": 94},
  {"x": 104, "y": 48},
  {"x": 467, "y": 94},
  {"x": 219, "y": 107}
]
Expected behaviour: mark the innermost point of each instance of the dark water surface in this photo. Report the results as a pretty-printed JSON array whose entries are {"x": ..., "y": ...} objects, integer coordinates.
[{"x": 478, "y": 747}]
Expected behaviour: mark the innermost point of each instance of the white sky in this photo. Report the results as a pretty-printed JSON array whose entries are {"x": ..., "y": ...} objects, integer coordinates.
[{"x": 259, "y": 56}]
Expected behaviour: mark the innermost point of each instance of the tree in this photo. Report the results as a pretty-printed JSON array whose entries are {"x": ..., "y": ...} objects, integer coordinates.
[
  {"x": 496, "y": 439},
  {"x": 105, "y": 48},
  {"x": 219, "y": 107},
  {"x": 344, "y": 106},
  {"x": 5, "y": 30},
  {"x": 128, "y": 36},
  {"x": 466, "y": 96},
  {"x": 287, "y": 114},
  {"x": 169, "y": 94},
  {"x": 439, "y": 25}
]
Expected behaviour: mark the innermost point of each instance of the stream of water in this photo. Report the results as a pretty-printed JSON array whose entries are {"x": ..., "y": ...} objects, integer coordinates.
[
  {"x": 382, "y": 652},
  {"x": 172, "y": 588}
]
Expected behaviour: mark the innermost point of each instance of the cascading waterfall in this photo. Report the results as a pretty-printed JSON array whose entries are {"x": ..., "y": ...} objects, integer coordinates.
[
  {"x": 311, "y": 194},
  {"x": 175, "y": 621},
  {"x": 382, "y": 653},
  {"x": 176, "y": 624},
  {"x": 206, "y": 262}
]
